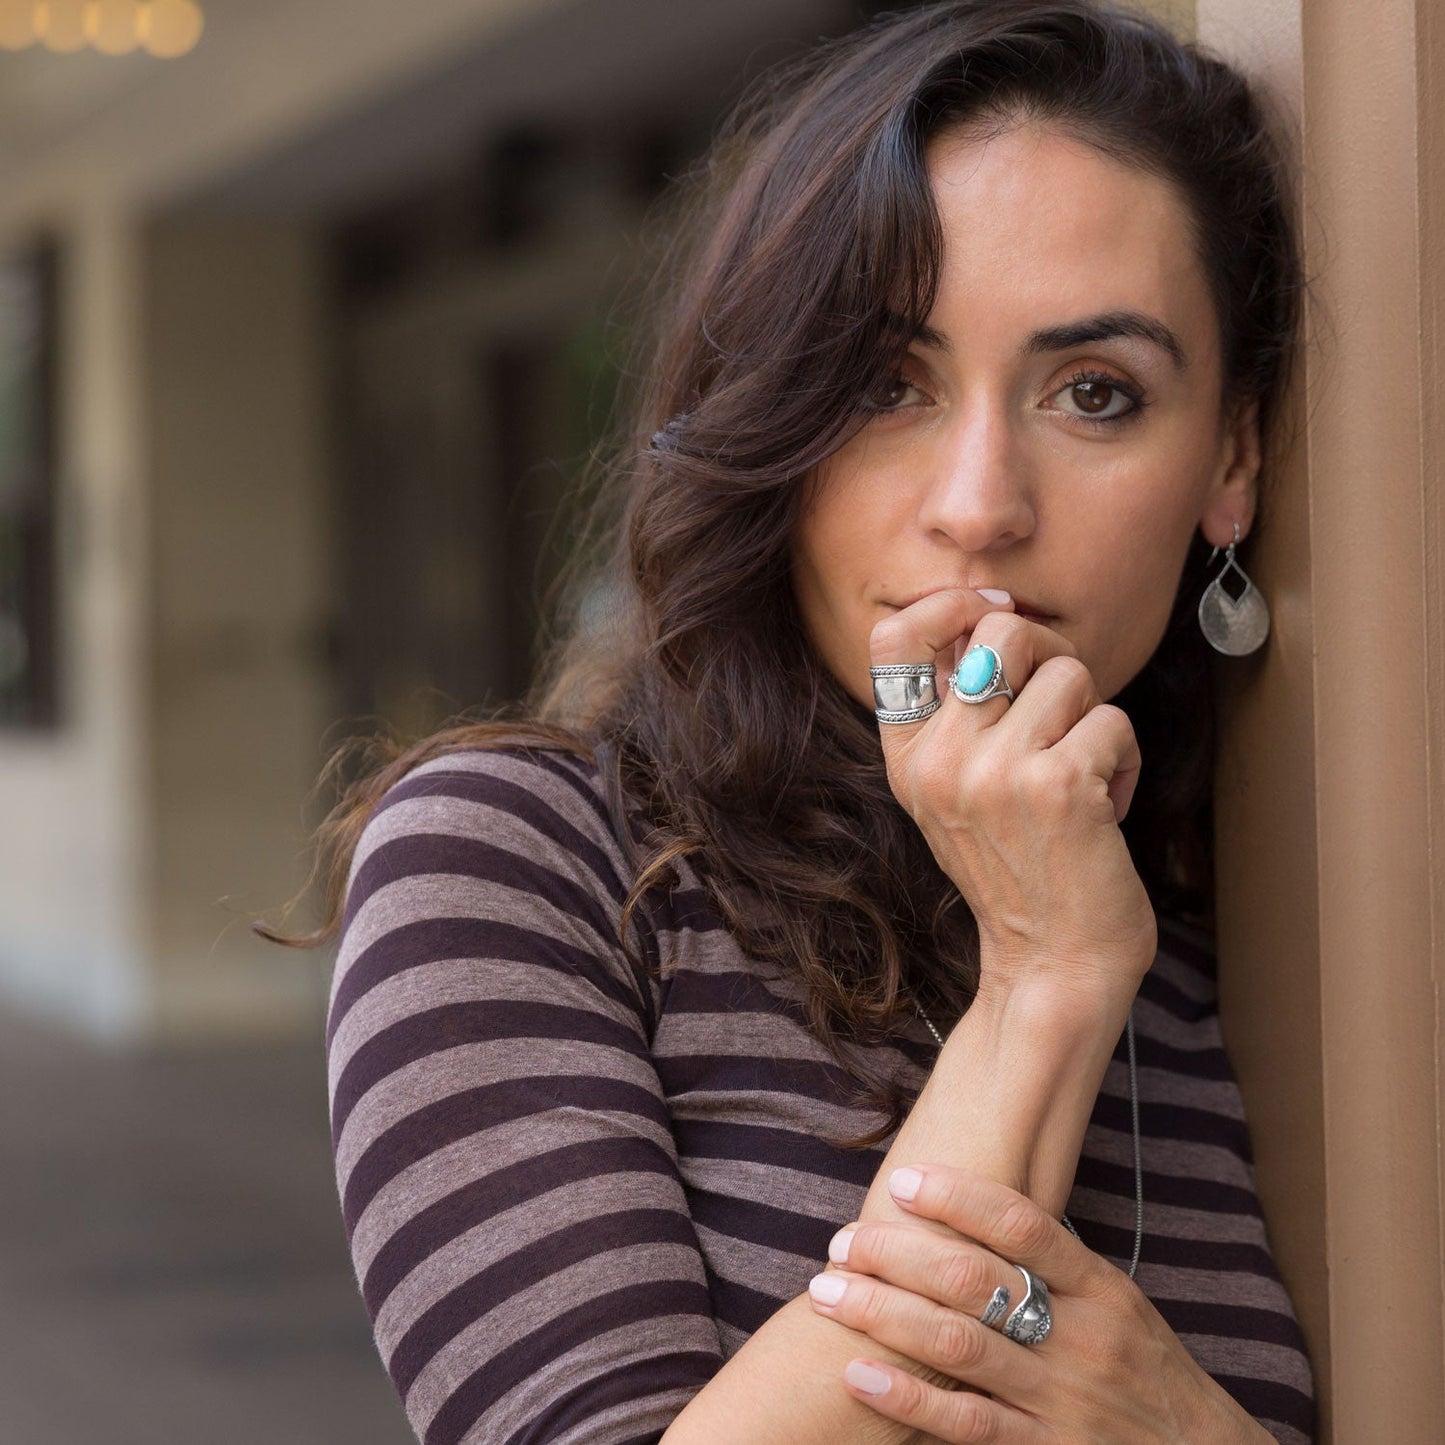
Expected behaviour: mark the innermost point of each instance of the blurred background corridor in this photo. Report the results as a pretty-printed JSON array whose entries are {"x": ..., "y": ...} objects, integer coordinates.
[{"x": 309, "y": 315}]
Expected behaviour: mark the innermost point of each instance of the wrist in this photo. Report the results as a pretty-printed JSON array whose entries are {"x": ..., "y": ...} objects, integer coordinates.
[
  {"x": 1029, "y": 1062},
  {"x": 1051, "y": 990}
]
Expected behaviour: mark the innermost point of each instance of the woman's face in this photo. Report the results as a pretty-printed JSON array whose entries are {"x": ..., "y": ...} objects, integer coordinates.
[{"x": 1056, "y": 429}]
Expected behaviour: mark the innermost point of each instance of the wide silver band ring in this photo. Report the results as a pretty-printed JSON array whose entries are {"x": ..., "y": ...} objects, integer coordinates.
[
  {"x": 904, "y": 692},
  {"x": 981, "y": 668},
  {"x": 1031, "y": 1319},
  {"x": 996, "y": 1308}
]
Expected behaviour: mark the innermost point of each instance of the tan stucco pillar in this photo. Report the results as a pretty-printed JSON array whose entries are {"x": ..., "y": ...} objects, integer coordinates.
[{"x": 1331, "y": 789}]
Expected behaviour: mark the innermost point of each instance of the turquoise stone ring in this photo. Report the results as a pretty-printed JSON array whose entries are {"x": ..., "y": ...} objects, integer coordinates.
[{"x": 979, "y": 676}]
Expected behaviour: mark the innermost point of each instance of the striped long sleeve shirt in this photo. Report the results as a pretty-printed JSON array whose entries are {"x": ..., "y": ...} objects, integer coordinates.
[{"x": 574, "y": 1187}]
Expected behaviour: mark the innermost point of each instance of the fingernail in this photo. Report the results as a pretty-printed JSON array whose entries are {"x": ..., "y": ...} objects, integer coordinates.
[
  {"x": 865, "y": 1377},
  {"x": 827, "y": 1289},
  {"x": 995, "y": 594},
  {"x": 904, "y": 1183},
  {"x": 838, "y": 1246}
]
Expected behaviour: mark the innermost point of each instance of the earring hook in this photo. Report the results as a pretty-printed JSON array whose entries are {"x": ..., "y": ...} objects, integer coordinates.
[{"x": 1229, "y": 550}]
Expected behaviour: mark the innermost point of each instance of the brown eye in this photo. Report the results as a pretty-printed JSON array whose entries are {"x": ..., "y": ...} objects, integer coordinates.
[
  {"x": 1100, "y": 399},
  {"x": 1093, "y": 397},
  {"x": 897, "y": 392}
]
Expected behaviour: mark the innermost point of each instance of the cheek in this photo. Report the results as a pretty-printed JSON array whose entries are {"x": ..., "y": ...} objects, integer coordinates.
[{"x": 1132, "y": 570}]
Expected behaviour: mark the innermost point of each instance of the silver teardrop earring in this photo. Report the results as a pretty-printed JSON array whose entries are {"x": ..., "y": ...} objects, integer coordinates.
[{"x": 1233, "y": 625}]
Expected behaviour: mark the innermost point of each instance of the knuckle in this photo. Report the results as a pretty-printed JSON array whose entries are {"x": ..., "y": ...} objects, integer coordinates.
[
  {"x": 910, "y": 1395},
  {"x": 952, "y": 1344},
  {"x": 961, "y": 1279},
  {"x": 1065, "y": 669},
  {"x": 974, "y": 1421},
  {"x": 1116, "y": 1292},
  {"x": 870, "y": 1306},
  {"x": 1117, "y": 717},
  {"x": 1024, "y": 1230},
  {"x": 887, "y": 639},
  {"x": 987, "y": 781}
]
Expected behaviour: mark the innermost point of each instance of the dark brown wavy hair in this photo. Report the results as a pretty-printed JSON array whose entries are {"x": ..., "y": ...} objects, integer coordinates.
[{"x": 808, "y": 253}]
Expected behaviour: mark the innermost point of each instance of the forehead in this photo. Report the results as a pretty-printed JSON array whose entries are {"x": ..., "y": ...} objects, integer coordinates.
[{"x": 1039, "y": 227}]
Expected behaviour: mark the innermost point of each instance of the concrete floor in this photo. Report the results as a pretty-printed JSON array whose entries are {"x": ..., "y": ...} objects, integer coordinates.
[{"x": 172, "y": 1260}]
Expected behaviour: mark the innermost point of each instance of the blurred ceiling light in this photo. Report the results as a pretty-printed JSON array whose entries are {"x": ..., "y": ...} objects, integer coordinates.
[
  {"x": 61, "y": 24},
  {"x": 17, "y": 24},
  {"x": 166, "y": 28},
  {"x": 113, "y": 26},
  {"x": 171, "y": 27}
]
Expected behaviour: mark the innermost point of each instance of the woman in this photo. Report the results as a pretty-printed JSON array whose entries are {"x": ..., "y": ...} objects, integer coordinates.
[{"x": 716, "y": 1051}]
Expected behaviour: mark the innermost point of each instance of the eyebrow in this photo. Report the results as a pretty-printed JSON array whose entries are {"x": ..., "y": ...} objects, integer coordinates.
[{"x": 1103, "y": 327}]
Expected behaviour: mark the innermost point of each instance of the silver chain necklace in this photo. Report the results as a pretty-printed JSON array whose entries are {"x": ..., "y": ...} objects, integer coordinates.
[{"x": 1134, "y": 1112}]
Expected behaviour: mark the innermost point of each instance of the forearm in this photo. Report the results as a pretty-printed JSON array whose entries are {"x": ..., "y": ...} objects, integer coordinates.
[{"x": 1010, "y": 1097}]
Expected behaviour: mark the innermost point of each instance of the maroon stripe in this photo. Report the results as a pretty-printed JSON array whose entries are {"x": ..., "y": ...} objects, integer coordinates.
[
  {"x": 467, "y": 940},
  {"x": 732, "y": 991},
  {"x": 1233, "y": 1321},
  {"x": 514, "y": 802},
  {"x": 810, "y": 1079},
  {"x": 1174, "y": 1001},
  {"x": 503, "y": 1371},
  {"x": 1270, "y": 1400},
  {"x": 739, "y": 1305},
  {"x": 437, "y": 1126},
  {"x": 1152, "y": 1053},
  {"x": 1219, "y": 1256},
  {"x": 589, "y": 1239},
  {"x": 446, "y": 1219},
  {"x": 1187, "y": 1191},
  {"x": 451, "y": 1026},
  {"x": 1174, "y": 1123},
  {"x": 421, "y": 854},
  {"x": 570, "y": 1411},
  {"x": 768, "y": 1144},
  {"x": 766, "y": 1224}
]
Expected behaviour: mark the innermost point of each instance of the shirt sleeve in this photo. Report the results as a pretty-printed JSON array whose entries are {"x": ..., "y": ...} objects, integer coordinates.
[{"x": 504, "y": 1151}]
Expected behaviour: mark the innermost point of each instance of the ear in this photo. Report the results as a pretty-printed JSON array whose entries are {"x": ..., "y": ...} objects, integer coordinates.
[{"x": 1234, "y": 488}]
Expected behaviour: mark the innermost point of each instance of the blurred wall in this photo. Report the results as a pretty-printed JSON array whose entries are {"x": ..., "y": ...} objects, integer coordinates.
[
  {"x": 75, "y": 856},
  {"x": 161, "y": 794},
  {"x": 238, "y": 691}
]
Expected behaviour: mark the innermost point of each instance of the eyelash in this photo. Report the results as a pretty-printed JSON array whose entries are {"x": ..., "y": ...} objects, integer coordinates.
[{"x": 1138, "y": 400}]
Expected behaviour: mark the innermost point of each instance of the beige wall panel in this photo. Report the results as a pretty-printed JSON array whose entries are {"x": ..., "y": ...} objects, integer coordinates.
[{"x": 1339, "y": 1055}]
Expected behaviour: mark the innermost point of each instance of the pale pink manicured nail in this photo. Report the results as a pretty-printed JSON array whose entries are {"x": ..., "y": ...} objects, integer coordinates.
[
  {"x": 994, "y": 594},
  {"x": 904, "y": 1183},
  {"x": 827, "y": 1289},
  {"x": 838, "y": 1246},
  {"x": 865, "y": 1377}
]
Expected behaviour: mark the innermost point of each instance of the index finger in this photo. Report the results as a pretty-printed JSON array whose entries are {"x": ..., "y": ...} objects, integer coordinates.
[{"x": 926, "y": 630}]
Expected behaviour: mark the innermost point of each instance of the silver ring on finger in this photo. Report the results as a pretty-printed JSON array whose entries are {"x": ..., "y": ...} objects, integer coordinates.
[
  {"x": 1031, "y": 1319},
  {"x": 996, "y": 1308},
  {"x": 904, "y": 692},
  {"x": 979, "y": 676}
]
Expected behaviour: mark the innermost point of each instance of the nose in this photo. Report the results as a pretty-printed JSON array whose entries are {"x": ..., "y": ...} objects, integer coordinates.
[{"x": 977, "y": 493}]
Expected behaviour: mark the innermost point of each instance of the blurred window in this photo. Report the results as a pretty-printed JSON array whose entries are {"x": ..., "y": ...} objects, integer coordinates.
[{"x": 27, "y": 487}]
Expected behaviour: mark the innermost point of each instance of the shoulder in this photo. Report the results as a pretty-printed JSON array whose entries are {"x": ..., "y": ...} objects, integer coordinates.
[
  {"x": 481, "y": 870},
  {"x": 500, "y": 812}
]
